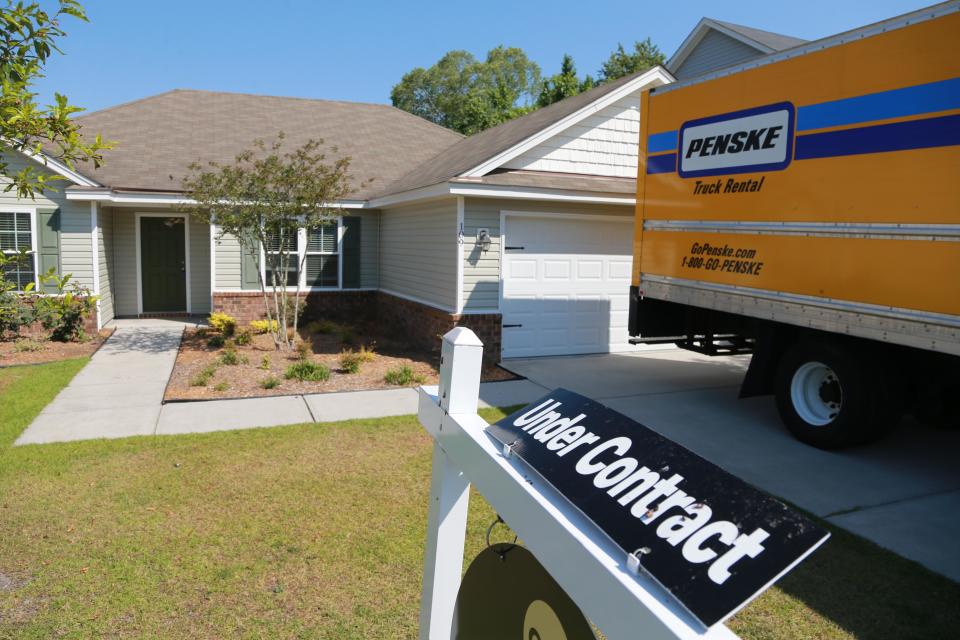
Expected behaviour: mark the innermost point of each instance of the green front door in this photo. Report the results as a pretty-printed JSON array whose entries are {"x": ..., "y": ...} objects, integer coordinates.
[{"x": 163, "y": 265}]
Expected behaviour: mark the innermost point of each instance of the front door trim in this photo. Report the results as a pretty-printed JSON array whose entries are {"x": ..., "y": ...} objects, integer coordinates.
[{"x": 186, "y": 253}]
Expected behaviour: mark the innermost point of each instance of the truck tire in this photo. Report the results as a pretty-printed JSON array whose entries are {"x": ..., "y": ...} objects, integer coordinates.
[{"x": 832, "y": 396}]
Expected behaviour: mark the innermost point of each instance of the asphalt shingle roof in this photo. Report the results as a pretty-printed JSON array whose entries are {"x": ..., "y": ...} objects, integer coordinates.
[{"x": 159, "y": 136}]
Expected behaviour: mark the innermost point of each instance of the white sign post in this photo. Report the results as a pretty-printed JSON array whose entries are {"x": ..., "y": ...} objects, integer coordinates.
[{"x": 585, "y": 562}]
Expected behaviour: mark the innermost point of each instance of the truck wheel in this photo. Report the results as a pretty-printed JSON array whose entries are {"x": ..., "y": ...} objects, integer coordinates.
[{"x": 831, "y": 397}]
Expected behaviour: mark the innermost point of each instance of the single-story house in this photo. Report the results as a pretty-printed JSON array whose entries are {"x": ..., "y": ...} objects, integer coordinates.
[{"x": 522, "y": 232}]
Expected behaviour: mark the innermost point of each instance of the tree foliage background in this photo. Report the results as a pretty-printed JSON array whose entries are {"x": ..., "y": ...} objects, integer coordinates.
[
  {"x": 28, "y": 37},
  {"x": 468, "y": 95}
]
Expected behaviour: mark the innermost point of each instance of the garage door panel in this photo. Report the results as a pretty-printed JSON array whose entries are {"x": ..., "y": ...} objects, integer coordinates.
[
  {"x": 620, "y": 269},
  {"x": 589, "y": 269},
  {"x": 568, "y": 286}
]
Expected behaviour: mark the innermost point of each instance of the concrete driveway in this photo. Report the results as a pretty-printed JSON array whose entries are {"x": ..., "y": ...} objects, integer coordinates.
[{"x": 902, "y": 493}]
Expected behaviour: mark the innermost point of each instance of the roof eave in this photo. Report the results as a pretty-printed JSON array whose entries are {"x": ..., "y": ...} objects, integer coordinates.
[
  {"x": 464, "y": 188},
  {"x": 53, "y": 164}
]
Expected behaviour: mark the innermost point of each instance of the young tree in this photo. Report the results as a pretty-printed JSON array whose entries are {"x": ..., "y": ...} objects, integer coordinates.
[
  {"x": 264, "y": 199},
  {"x": 645, "y": 55},
  {"x": 564, "y": 84},
  {"x": 464, "y": 94},
  {"x": 28, "y": 36}
]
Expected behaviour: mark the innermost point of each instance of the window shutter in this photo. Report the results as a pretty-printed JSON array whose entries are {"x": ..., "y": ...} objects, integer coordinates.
[
  {"x": 249, "y": 265},
  {"x": 48, "y": 244},
  {"x": 351, "y": 252}
]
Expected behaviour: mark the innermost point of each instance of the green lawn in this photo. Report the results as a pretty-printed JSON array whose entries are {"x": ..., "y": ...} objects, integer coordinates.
[{"x": 308, "y": 531}]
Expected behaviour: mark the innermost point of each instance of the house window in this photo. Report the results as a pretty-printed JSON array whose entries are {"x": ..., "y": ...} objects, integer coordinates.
[
  {"x": 323, "y": 256},
  {"x": 272, "y": 251},
  {"x": 15, "y": 236},
  {"x": 318, "y": 248}
]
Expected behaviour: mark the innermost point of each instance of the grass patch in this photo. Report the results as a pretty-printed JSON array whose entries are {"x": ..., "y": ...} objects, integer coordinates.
[
  {"x": 312, "y": 531},
  {"x": 24, "y": 391},
  {"x": 26, "y": 345},
  {"x": 203, "y": 378},
  {"x": 230, "y": 357},
  {"x": 402, "y": 376},
  {"x": 270, "y": 382},
  {"x": 307, "y": 371}
]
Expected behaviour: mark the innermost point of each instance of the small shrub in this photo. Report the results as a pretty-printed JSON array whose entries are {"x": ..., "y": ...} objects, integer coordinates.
[
  {"x": 63, "y": 312},
  {"x": 243, "y": 338},
  {"x": 270, "y": 382},
  {"x": 262, "y": 326},
  {"x": 222, "y": 322},
  {"x": 323, "y": 326},
  {"x": 303, "y": 350},
  {"x": 202, "y": 379},
  {"x": 216, "y": 341},
  {"x": 265, "y": 363},
  {"x": 231, "y": 357},
  {"x": 221, "y": 386},
  {"x": 350, "y": 362},
  {"x": 26, "y": 345},
  {"x": 306, "y": 371},
  {"x": 402, "y": 376},
  {"x": 202, "y": 332},
  {"x": 366, "y": 354}
]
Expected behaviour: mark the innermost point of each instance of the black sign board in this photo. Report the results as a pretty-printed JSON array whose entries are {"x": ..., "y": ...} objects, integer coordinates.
[{"x": 710, "y": 539}]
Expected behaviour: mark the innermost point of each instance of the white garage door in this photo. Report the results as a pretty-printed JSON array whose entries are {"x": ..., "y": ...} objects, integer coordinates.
[{"x": 566, "y": 284}]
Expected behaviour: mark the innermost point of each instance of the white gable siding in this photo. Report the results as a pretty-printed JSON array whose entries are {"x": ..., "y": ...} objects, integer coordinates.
[
  {"x": 603, "y": 144},
  {"x": 715, "y": 51}
]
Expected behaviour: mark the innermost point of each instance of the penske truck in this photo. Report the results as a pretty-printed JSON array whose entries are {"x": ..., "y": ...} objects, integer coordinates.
[{"x": 805, "y": 208}]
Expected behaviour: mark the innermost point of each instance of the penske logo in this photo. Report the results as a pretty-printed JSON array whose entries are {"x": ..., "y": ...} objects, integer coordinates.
[{"x": 747, "y": 141}]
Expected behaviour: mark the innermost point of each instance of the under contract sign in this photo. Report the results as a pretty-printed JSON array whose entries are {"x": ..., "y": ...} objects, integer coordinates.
[{"x": 710, "y": 539}]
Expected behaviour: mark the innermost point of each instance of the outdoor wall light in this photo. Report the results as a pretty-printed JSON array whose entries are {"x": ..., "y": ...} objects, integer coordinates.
[{"x": 483, "y": 239}]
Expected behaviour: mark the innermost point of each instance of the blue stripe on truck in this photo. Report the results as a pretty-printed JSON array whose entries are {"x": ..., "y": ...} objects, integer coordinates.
[
  {"x": 943, "y": 131},
  {"x": 658, "y": 142},
  {"x": 667, "y": 163},
  {"x": 907, "y": 101}
]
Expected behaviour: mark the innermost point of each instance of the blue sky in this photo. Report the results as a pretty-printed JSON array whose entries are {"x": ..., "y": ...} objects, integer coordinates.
[{"x": 358, "y": 50}]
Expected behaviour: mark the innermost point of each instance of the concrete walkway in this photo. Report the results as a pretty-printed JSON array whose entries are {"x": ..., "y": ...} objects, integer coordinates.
[{"x": 119, "y": 394}]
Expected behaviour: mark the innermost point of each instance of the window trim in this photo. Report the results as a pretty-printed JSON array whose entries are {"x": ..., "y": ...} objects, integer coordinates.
[
  {"x": 34, "y": 238},
  {"x": 301, "y": 254}
]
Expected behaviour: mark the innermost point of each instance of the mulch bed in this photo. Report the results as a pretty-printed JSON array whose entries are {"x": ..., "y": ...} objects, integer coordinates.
[
  {"x": 260, "y": 360},
  {"x": 37, "y": 349}
]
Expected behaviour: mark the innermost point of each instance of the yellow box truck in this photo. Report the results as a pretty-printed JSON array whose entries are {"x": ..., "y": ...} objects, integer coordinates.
[{"x": 805, "y": 208}]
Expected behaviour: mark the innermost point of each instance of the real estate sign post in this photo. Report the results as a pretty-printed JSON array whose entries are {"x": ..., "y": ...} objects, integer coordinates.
[{"x": 647, "y": 539}]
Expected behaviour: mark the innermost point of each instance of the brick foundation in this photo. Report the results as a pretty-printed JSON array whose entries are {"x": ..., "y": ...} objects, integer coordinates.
[
  {"x": 421, "y": 324},
  {"x": 248, "y": 305},
  {"x": 424, "y": 325}
]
